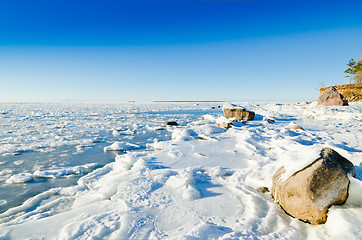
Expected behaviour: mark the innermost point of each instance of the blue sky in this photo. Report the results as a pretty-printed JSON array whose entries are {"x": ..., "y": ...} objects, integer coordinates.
[{"x": 144, "y": 50}]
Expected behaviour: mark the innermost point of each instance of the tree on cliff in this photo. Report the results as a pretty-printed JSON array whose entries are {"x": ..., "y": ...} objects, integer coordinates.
[
  {"x": 354, "y": 70},
  {"x": 358, "y": 75}
]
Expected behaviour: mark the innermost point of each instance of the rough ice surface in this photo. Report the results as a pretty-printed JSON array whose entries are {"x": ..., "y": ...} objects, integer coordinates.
[
  {"x": 199, "y": 182},
  {"x": 120, "y": 146},
  {"x": 54, "y": 173}
]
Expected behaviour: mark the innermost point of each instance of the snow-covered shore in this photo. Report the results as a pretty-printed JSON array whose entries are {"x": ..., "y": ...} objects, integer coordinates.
[{"x": 202, "y": 184}]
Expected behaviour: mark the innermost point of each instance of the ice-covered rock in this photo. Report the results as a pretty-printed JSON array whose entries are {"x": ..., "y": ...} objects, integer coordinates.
[
  {"x": 225, "y": 125},
  {"x": 308, "y": 193},
  {"x": 292, "y": 125},
  {"x": 240, "y": 113},
  {"x": 224, "y": 122}
]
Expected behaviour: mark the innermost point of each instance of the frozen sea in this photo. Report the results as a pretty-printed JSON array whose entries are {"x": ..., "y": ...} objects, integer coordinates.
[
  {"x": 55, "y": 137},
  {"x": 112, "y": 171}
]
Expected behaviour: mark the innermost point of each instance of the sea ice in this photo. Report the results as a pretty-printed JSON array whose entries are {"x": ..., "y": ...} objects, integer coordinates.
[{"x": 200, "y": 183}]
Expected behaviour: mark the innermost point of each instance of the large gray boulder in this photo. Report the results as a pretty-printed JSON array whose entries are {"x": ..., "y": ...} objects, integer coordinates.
[
  {"x": 308, "y": 193},
  {"x": 240, "y": 113},
  {"x": 331, "y": 97}
]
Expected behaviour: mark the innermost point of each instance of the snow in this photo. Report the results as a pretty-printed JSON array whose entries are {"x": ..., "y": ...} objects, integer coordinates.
[
  {"x": 158, "y": 145},
  {"x": 180, "y": 134},
  {"x": 200, "y": 183},
  {"x": 20, "y": 178},
  {"x": 120, "y": 146},
  {"x": 355, "y": 196},
  {"x": 155, "y": 128},
  {"x": 54, "y": 173},
  {"x": 231, "y": 106}
]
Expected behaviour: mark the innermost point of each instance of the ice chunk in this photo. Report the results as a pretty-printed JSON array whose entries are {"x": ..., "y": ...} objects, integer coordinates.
[
  {"x": 20, "y": 178},
  {"x": 120, "y": 146},
  {"x": 158, "y": 145},
  {"x": 55, "y": 173},
  {"x": 115, "y": 133},
  {"x": 125, "y": 161},
  {"x": 183, "y": 134}
]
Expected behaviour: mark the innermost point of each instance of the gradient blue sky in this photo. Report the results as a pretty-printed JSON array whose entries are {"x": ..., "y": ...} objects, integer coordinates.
[{"x": 144, "y": 50}]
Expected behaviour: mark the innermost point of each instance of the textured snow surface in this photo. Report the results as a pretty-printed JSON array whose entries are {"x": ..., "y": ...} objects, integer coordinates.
[
  {"x": 54, "y": 173},
  {"x": 120, "y": 146},
  {"x": 199, "y": 184}
]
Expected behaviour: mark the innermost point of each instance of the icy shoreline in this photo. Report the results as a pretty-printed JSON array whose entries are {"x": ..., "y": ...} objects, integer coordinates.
[{"x": 202, "y": 183}]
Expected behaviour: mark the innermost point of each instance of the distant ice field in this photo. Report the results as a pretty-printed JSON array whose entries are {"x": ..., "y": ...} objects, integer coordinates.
[
  {"x": 45, "y": 137},
  {"x": 113, "y": 171}
]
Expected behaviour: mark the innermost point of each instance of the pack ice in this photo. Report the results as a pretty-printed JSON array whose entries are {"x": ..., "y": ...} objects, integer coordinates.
[{"x": 201, "y": 183}]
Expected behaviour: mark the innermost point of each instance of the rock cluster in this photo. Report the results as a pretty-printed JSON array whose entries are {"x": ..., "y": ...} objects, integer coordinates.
[
  {"x": 331, "y": 97},
  {"x": 240, "y": 113},
  {"x": 308, "y": 193}
]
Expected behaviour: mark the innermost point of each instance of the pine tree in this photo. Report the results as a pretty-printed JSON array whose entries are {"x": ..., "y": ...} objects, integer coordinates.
[{"x": 351, "y": 71}]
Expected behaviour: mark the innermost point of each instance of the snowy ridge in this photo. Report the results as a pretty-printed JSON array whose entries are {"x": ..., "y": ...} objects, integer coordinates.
[{"x": 55, "y": 173}]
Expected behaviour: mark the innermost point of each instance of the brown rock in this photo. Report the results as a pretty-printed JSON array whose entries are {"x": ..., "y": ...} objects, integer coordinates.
[
  {"x": 331, "y": 97},
  {"x": 269, "y": 120},
  {"x": 308, "y": 193},
  {"x": 231, "y": 111},
  {"x": 172, "y": 123},
  {"x": 262, "y": 189},
  {"x": 295, "y": 126},
  {"x": 226, "y": 125}
]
